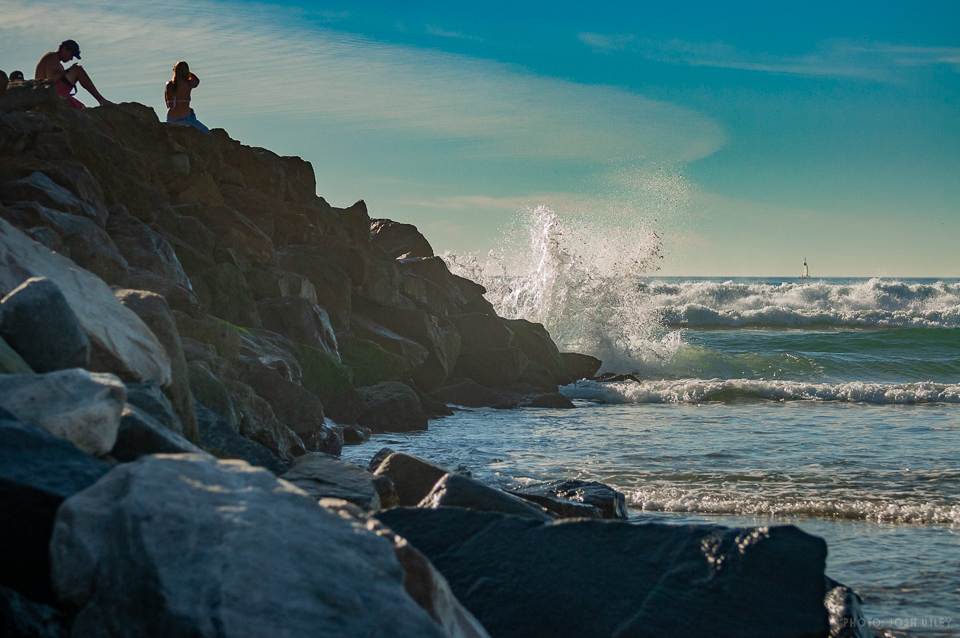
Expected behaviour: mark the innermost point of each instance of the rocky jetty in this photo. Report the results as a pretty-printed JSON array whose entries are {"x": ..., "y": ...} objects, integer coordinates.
[{"x": 189, "y": 335}]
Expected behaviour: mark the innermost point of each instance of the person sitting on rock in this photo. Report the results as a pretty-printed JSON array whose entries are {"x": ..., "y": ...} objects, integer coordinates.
[
  {"x": 16, "y": 76},
  {"x": 50, "y": 67},
  {"x": 177, "y": 96}
]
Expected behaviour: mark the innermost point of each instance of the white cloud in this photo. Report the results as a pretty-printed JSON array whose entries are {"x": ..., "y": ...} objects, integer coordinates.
[
  {"x": 834, "y": 58},
  {"x": 443, "y": 33},
  {"x": 264, "y": 61}
]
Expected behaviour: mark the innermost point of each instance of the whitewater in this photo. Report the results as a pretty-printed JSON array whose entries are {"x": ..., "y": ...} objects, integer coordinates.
[{"x": 832, "y": 404}]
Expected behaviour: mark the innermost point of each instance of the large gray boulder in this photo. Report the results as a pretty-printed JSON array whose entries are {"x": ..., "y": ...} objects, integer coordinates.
[
  {"x": 37, "y": 473},
  {"x": 38, "y": 323},
  {"x": 121, "y": 342},
  {"x": 218, "y": 438},
  {"x": 521, "y": 577},
  {"x": 188, "y": 546},
  {"x": 75, "y": 405},
  {"x": 392, "y": 407},
  {"x": 456, "y": 490}
]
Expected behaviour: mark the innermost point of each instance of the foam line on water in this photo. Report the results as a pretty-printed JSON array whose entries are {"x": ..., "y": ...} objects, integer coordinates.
[{"x": 731, "y": 390}]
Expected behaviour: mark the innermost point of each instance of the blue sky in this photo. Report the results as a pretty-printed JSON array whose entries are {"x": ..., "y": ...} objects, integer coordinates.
[{"x": 751, "y": 136}]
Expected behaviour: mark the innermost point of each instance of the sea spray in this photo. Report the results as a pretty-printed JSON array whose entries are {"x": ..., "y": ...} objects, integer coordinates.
[{"x": 581, "y": 280}]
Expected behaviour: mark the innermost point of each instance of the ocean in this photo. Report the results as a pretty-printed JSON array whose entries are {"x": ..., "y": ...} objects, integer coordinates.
[{"x": 831, "y": 404}]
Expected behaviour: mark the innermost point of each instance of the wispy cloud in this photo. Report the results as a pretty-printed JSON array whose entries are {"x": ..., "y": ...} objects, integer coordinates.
[
  {"x": 261, "y": 61},
  {"x": 443, "y": 33},
  {"x": 833, "y": 58}
]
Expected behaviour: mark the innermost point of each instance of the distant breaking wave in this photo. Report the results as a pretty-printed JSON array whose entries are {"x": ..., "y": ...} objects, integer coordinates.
[
  {"x": 738, "y": 390},
  {"x": 876, "y": 303},
  {"x": 680, "y": 500}
]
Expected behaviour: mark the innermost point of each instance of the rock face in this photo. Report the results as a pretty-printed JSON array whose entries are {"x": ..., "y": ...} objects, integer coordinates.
[
  {"x": 23, "y": 618},
  {"x": 37, "y": 473},
  {"x": 38, "y": 323},
  {"x": 220, "y": 440},
  {"x": 184, "y": 545},
  {"x": 121, "y": 342},
  {"x": 141, "y": 434},
  {"x": 75, "y": 405},
  {"x": 518, "y": 576}
]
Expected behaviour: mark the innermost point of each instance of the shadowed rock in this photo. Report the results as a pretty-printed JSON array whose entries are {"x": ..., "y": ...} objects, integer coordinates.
[
  {"x": 37, "y": 472},
  {"x": 323, "y": 476},
  {"x": 609, "y": 501},
  {"x": 141, "y": 434},
  {"x": 455, "y": 490},
  {"x": 38, "y": 323},
  {"x": 413, "y": 478},
  {"x": 518, "y": 576},
  {"x": 23, "y": 618},
  {"x": 391, "y": 407}
]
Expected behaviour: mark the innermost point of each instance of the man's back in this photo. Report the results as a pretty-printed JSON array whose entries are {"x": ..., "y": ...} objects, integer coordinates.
[{"x": 49, "y": 67}]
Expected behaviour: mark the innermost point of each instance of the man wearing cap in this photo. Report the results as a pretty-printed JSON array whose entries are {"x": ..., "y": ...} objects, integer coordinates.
[{"x": 50, "y": 67}]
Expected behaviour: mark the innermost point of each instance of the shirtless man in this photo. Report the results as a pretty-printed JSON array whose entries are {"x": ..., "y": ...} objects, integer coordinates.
[{"x": 50, "y": 67}]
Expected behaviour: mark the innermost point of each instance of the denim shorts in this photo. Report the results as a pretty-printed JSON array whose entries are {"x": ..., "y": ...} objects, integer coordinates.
[{"x": 190, "y": 120}]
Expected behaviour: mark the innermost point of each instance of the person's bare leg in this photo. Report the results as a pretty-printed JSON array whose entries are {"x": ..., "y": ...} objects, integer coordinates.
[{"x": 76, "y": 74}]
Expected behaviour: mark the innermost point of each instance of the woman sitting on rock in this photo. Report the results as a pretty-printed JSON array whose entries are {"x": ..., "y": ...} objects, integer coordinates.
[{"x": 177, "y": 96}]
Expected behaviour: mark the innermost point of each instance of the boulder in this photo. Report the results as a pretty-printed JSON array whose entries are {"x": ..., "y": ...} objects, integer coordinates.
[
  {"x": 80, "y": 239},
  {"x": 535, "y": 342},
  {"x": 492, "y": 368},
  {"x": 331, "y": 382},
  {"x": 412, "y": 478},
  {"x": 75, "y": 405},
  {"x": 274, "y": 351},
  {"x": 391, "y": 407},
  {"x": 10, "y": 360},
  {"x": 370, "y": 363},
  {"x": 480, "y": 332},
  {"x": 151, "y": 399},
  {"x": 141, "y": 434},
  {"x": 472, "y": 293},
  {"x": 208, "y": 389},
  {"x": 222, "y": 441},
  {"x": 581, "y": 366},
  {"x": 121, "y": 342},
  {"x": 299, "y": 320},
  {"x": 844, "y": 605},
  {"x": 560, "y": 508},
  {"x": 323, "y": 476},
  {"x": 518, "y": 575},
  {"x": 145, "y": 248},
  {"x": 267, "y": 282},
  {"x": 178, "y": 297},
  {"x": 39, "y": 188},
  {"x": 296, "y": 407},
  {"x": 38, "y": 323},
  {"x": 468, "y": 393},
  {"x": 610, "y": 502},
  {"x": 332, "y": 284},
  {"x": 37, "y": 472},
  {"x": 224, "y": 291},
  {"x": 154, "y": 311},
  {"x": 456, "y": 490},
  {"x": 224, "y": 337},
  {"x": 377, "y": 459},
  {"x": 199, "y": 547},
  {"x": 399, "y": 240},
  {"x": 430, "y": 268},
  {"x": 433, "y": 299},
  {"x": 553, "y": 400},
  {"x": 537, "y": 376},
  {"x": 258, "y": 422},
  {"x": 23, "y": 618},
  {"x": 355, "y": 434},
  {"x": 382, "y": 285},
  {"x": 412, "y": 352}
]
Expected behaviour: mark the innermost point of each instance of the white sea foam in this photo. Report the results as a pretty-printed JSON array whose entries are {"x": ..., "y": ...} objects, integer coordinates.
[
  {"x": 674, "y": 499},
  {"x": 874, "y": 303},
  {"x": 727, "y": 390}
]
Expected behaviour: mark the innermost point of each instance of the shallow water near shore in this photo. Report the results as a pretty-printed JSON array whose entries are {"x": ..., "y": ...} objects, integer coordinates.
[{"x": 833, "y": 405}]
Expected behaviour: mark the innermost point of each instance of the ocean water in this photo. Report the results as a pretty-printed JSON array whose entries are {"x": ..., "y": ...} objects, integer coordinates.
[{"x": 830, "y": 404}]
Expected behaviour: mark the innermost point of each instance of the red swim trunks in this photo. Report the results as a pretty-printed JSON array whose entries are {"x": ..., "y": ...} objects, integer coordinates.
[{"x": 63, "y": 90}]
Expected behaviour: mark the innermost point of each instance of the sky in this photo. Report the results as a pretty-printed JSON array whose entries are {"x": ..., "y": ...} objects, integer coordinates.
[{"x": 750, "y": 136}]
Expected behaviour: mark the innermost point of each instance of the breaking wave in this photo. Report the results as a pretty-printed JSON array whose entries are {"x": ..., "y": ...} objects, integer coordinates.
[
  {"x": 580, "y": 282},
  {"x": 740, "y": 390},
  {"x": 880, "y": 303}
]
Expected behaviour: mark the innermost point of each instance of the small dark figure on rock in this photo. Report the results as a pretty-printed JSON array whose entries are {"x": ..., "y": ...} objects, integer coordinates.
[
  {"x": 177, "y": 96},
  {"x": 50, "y": 67}
]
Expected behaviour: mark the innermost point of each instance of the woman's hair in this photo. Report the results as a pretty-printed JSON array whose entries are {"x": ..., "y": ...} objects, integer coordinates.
[{"x": 181, "y": 71}]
